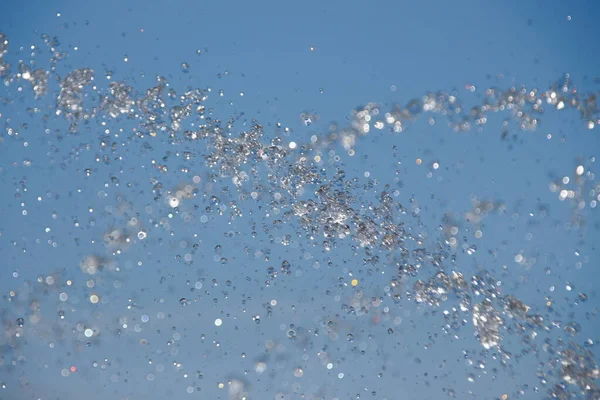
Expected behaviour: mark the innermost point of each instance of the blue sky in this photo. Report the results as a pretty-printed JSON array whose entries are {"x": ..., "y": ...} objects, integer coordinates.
[{"x": 273, "y": 61}]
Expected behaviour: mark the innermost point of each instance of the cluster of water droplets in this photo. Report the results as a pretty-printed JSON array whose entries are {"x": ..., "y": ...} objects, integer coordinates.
[{"x": 294, "y": 194}]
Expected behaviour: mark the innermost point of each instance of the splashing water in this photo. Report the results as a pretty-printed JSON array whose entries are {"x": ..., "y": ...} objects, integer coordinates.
[{"x": 370, "y": 260}]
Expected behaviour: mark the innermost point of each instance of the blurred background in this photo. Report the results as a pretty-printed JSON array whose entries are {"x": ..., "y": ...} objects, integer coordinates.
[{"x": 125, "y": 276}]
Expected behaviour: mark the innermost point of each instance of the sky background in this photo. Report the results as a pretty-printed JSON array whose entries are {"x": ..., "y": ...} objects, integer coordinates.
[{"x": 323, "y": 58}]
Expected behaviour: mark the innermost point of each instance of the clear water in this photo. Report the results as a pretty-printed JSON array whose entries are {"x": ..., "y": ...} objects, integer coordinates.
[{"x": 192, "y": 211}]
